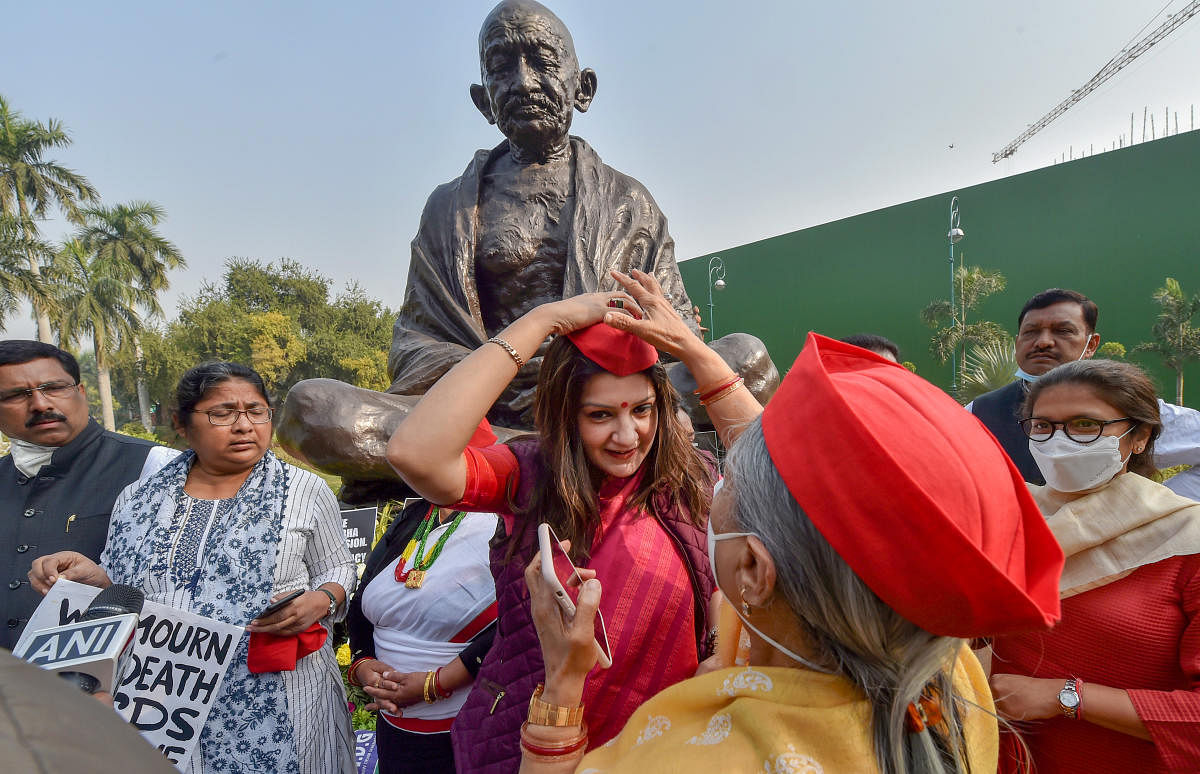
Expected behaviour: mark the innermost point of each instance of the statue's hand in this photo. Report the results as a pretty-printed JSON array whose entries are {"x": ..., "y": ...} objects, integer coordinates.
[
  {"x": 659, "y": 324},
  {"x": 577, "y": 312}
]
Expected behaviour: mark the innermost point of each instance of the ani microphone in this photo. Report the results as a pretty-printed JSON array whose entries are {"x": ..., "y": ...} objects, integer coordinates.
[{"x": 88, "y": 652}]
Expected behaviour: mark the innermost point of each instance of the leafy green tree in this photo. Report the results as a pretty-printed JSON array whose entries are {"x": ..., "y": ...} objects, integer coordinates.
[
  {"x": 278, "y": 318},
  {"x": 1111, "y": 350},
  {"x": 952, "y": 332},
  {"x": 99, "y": 301},
  {"x": 1176, "y": 340},
  {"x": 127, "y": 235},
  {"x": 30, "y": 183}
]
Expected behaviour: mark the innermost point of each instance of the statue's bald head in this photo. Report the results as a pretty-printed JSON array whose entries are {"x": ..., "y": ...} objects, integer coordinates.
[{"x": 516, "y": 17}]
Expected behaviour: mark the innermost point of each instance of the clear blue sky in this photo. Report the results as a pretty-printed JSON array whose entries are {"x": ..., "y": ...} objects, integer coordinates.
[{"x": 315, "y": 131}]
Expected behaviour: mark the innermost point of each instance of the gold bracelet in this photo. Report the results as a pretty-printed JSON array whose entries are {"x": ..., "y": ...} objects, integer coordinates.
[
  {"x": 542, "y": 713},
  {"x": 429, "y": 698},
  {"x": 512, "y": 352}
]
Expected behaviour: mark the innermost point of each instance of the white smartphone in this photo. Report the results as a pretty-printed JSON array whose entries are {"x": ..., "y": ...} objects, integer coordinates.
[{"x": 550, "y": 548}]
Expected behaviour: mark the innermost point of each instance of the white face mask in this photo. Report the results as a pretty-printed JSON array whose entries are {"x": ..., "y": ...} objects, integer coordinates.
[
  {"x": 713, "y": 538},
  {"x": 28, "y": 457},
  {"x": 1025, "y": 376},
  {"x": 1070, "y": 466}
]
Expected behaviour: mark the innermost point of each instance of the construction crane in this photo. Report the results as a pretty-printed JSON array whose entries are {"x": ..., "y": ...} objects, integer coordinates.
[{"x": 1114, "y": 66}]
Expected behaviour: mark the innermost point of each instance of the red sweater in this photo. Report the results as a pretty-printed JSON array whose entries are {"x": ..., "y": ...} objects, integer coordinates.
[{"x": 1140, "y": 633}]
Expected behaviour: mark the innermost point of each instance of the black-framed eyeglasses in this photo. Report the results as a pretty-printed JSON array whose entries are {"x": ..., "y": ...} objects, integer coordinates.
[
  {"x": 223, "y": 417},
  {"x": 49, "y": 390},
  {"x": 1079, "y": 429}
]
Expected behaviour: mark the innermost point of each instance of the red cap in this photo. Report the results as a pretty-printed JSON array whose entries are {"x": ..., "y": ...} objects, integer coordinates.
[
  {"x": 913, "y": 493},
  {"x": 618, "y": 352}
]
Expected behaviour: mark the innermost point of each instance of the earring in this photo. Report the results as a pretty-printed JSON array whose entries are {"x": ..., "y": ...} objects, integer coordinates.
[{"x": 745, "y": 604}]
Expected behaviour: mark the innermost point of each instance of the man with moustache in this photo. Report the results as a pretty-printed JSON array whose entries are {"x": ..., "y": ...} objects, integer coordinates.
[
  {"x": 62, "y": 475},
  {"x": 1059, "y": 326}
]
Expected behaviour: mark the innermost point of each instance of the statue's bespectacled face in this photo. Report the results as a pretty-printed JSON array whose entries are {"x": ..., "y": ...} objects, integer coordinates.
[{"x": 531, "y": 76}]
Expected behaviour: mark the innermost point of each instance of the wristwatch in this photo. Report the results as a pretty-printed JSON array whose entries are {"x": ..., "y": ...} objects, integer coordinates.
[
  {"x": 1068, "y": 699},
  {"x": 333, "y": 603}
]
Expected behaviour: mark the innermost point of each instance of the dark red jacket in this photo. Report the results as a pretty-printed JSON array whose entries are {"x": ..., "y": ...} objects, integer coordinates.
[{"x": 487, "y": 731}]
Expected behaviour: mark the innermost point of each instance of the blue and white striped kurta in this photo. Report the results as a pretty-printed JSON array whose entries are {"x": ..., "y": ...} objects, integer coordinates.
[{"x": 312, "y": 551}]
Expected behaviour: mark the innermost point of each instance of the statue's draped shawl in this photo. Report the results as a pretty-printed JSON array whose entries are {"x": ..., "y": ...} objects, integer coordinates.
[{"x": 616, "y": 225}]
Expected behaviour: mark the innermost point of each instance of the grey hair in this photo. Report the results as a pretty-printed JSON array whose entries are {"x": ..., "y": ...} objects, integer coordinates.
[{"x": 851, "y": 630}]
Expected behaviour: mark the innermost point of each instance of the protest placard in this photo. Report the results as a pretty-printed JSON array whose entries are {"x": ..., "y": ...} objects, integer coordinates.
[
  {"x": 359, "y": 525},
  {"x": 177, "y": 663},
  {"x": 366, "y": 754}
]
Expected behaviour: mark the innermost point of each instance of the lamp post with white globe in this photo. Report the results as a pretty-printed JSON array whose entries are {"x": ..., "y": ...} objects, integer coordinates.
[
  {"x": 955, "y": 236},
  {"x": 716, "y": 281}
]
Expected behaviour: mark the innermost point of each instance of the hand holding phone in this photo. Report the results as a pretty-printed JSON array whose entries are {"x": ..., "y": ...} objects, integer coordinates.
[
  {"x": 550, "y": 547},
  {"x": 279, "y": 604}
]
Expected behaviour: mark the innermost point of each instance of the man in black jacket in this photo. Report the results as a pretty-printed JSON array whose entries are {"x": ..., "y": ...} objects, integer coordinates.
[
  {"x": 1059, "y": 326},
  {"x": 63, "y": 473},
  {"x": 1056, "y": 326}
]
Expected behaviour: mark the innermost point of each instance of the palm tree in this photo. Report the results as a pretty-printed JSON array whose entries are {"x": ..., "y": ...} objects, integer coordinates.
[
  {"x": 98, "y": 298},
  {"x": 29, "y": 184},
  {"x": 952, "y": 332},
  {"x": 125, "y": 235},
  {"x": 986, "y": 367},
  {"x": 17, "y": 282},
  {"x": 1176, "y": 340}
]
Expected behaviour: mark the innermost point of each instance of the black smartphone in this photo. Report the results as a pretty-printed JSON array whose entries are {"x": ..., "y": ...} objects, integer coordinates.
[{"x": 280, "y": 604}]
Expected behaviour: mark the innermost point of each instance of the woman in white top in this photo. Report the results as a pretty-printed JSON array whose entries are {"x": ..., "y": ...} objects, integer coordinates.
[
  {"x": 422, "y": 621},
  {"x": 418, "y": 646},
  {"x": 221, "y": 531}
]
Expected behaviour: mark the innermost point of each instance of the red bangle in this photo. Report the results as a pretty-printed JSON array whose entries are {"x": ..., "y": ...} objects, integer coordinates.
[
  {"x": 706, "y": 394},
  {"x": 437, "y": 685},
  {"x": 1079, "y": 693},
  {"x": 350, "y": 678},
  {"x": 551, "y": 752}
]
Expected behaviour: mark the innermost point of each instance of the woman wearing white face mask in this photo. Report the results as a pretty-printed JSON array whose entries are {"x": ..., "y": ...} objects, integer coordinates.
[
  {"x": 856, "y": 594},
  {"x": 1117, "y": 682}
]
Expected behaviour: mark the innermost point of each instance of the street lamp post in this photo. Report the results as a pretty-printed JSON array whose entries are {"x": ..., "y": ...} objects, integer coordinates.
[
  {"x": 716, "y": 281},
  {"x": 955, "y": 235}
]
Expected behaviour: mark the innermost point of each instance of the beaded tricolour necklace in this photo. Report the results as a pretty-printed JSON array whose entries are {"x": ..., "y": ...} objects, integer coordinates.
[{"x": 414, "y": 576}]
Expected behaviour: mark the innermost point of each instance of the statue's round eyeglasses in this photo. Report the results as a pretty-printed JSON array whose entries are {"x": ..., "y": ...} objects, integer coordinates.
[
  {"x": 1079, "y": 429},
  {"x": 221, "y": 417},
  {"x": 49, "y": 390}
]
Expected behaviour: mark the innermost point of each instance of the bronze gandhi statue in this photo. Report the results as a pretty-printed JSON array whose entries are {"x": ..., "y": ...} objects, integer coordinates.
[{"x": 537, "y": 218}]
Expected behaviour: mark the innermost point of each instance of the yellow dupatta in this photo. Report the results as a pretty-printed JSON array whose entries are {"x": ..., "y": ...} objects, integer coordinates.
[{"x": 774, "y": 720}]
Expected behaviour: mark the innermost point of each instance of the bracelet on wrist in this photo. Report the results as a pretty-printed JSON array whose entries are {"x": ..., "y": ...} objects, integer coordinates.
[
  {"x": 722, "y": 393},
  {"x": 438, "y": 691},
  {"x": 555, "y": 749},
  {"x": 429, "y": 695},
  {"x": 707, "y": 392},
  {"x": 351, "y": 677},
  {"x": 510, "y": 349},
  {"x": 543, "y": 713}
]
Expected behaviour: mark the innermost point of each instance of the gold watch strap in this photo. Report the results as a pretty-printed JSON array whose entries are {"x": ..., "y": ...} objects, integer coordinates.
[{"x": 543, "y": 713}]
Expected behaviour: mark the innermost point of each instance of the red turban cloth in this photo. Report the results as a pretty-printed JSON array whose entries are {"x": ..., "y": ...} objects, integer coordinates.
[{"x": 913, "y": 493}]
